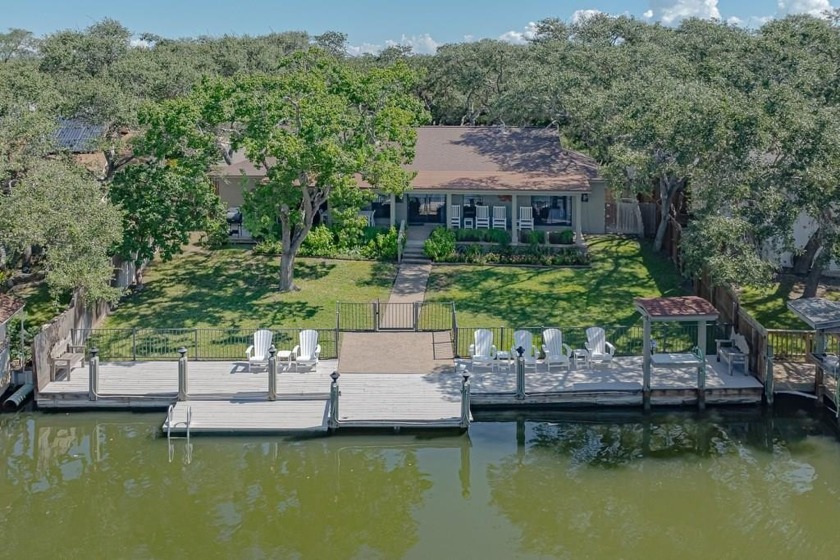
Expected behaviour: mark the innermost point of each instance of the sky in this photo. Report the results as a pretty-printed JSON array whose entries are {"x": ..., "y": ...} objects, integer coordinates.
[{"x": 374, "y": 24}]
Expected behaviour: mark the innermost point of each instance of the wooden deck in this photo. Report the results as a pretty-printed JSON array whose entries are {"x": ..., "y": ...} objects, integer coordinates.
[{"x": 225, "y": 397}]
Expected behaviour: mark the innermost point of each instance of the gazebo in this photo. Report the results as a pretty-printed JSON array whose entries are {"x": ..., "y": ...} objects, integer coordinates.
[
  {"x": 823, "y": 316},
  {"x": 675, "y": 309}
]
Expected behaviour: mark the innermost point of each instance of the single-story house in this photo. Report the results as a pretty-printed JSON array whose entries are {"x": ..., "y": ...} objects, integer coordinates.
[{"x": 516, "y": 174}]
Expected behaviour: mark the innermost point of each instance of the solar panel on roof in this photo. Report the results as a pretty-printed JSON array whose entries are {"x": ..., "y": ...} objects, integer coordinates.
[{"x": 77, "y": 136}]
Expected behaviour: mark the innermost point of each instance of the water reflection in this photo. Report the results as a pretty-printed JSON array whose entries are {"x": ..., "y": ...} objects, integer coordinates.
[
  {"x": 619, "y": 484},
  {"x": 567, "y": 486}
]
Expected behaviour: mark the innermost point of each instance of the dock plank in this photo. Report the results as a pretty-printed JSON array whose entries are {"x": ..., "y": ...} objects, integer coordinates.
[{"x": 213, "y": 417}]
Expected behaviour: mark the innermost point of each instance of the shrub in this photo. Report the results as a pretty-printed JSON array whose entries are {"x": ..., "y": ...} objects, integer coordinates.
[
  {"x": 268, "y": 247},
  {"x": 382, "y": 246},
  {"x": 564, "y": 237},
  {"x": 350, "y": 229},
  {"x": 526, "y": 255},
  {"x": 532, "y": 237},
  {"x": 319, "y": 243},
  {"x": 440, "y": 244}
]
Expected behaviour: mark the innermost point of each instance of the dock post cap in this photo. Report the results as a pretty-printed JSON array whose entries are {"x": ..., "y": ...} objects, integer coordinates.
[
  {"x": 183, "y": 351},
  {"x": 520, "y": 350},
  {"x": 94, "y": 351},
  {"x": 272, "y": 350},
  {"x": 335, "y": 375}
]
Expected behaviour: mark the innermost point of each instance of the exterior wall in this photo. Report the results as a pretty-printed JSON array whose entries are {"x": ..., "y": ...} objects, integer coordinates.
[
  {"x": 230, "y": 189},
  {"x": 593, "y": 212},
  {"x": 802, "y": 230}
]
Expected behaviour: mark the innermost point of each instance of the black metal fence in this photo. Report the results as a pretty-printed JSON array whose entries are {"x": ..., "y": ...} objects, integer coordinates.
[
  {"x": 627, "y": 339},
  {"x": 201, "y": 344},
  {"x": 379, "y": 316}
]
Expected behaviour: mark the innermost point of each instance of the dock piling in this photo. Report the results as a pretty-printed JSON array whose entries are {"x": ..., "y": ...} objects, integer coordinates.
[
  {"x": 182, "y": 374},
  {"x": 465, "y": 397},
  {"x": 93, "y": 368},
  {"x": 334, "y": 394},
  {"x": 272, "y": 373},
  {"x": 520, "y": 373}
]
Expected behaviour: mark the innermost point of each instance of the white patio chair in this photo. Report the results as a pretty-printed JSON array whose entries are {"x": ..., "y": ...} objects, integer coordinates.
[
  {"x": 499, "y": 217},
  {"x": 455, "y": 216},
  {"x": 526, "y": 218},
  {"x": 525, "y": 340},
  {"x": 482, "y": 217},
  {"x": 308, "y": 351},
  {"x": 257, "y": 353},
  {"x": 599, "y": 349},
  {"x": 556, "y": 353},
  {"x": 483, "y": 351}
]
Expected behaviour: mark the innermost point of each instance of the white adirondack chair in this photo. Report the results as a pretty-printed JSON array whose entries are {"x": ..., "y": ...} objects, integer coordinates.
[
  {"x": 482, "y": 217},
  {"x": 556, "y": 353},
  {"x": 526, "y": 218},
  {"x": 308, "y": 351},
  {"x": 499, "y": 217},
  {"x": 525, "y": 340},
  {"x": 483, "y": 351},
  {"x": 455, "y": 216},
  {"x": 599, "y": 349},
  {"x": 257, "y": 353}
]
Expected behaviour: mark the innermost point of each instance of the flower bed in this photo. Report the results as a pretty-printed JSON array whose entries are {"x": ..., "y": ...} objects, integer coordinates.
[{"x": 442, "y": 247}]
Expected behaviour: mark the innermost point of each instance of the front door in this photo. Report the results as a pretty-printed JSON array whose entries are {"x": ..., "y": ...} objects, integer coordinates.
[{"x": 427, "y": 209}]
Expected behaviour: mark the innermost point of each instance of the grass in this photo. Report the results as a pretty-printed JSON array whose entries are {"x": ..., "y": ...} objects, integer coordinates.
[
  {"x": 622, "y": 269},
  {"x": 768, "y": 305},
  {"x": 40, "y": 308},
  {"x": 232, "y": 288}
]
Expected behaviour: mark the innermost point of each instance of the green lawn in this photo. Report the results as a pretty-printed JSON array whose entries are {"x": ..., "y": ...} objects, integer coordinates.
[
  {"x": 769, "y": 305},
  {"x": 40, "y": 307},
  {"x": 622, "y": 269},
  {"x": 232, "y": 288}
]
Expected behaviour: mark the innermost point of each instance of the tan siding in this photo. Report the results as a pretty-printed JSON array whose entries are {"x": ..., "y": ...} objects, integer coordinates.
[{"x": 593, "y": 213}]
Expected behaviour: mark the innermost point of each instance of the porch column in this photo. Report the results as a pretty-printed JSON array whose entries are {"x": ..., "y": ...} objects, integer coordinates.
[
  {"x": 578, "y": 236},
  {"x": 514, "y": 218},
  {"x": 448, "y": 212},
  {"x": 393, "y": 210}
]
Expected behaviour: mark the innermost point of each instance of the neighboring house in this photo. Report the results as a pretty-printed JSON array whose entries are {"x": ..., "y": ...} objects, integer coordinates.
[
  {"x": 802, "y": 230},
  {"x": 9, "y": 307},
  {"x": 468, "y": 167},
  {"x": 81, "y": 139}
]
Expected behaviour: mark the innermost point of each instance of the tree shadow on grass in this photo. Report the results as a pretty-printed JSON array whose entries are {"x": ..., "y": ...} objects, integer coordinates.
[
  {"x": 382, "y": 275},
  {"x": 313, "y": 270}
]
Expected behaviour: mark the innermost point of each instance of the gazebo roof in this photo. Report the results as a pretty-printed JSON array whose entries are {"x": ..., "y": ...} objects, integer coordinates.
[
  {"x": 821, "y": 314},
  {"x": 9, "y": 305},
  {"x": 682, "y": 308}
]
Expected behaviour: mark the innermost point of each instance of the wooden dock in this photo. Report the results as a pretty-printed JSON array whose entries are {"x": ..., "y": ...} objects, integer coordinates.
[{"x": 224, "y": 397}]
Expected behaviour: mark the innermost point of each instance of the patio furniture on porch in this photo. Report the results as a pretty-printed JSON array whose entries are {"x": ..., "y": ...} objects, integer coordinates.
[
  {"x": 733, "y": 351},
  {"x": 455, "y": 216},
  {"x": 599, "y": 349},
  {"x": 526, "y": 218},
  {"x": 556, "y": 353},
  {"x": 482, "y": 217},
  {"x": 483, "y": 351},
  {"x": 308, "y": 351},
  {"x": 499, "y": 217},
  {"x": 257, "y": 353},
  {"x": 525, "y": 340}
]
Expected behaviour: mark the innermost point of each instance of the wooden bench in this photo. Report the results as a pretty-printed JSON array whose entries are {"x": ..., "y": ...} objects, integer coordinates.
[
  {"x": 734, "y": 351},
  {"x": 67, "y": 360}
]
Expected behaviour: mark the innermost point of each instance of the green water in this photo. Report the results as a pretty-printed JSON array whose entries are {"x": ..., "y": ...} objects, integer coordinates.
[{"x": 104, "y": 486}]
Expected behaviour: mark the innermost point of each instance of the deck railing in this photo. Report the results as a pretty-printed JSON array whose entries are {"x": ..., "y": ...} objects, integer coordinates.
[
  {"x": 790, "y": 345},
  {"x": 628, "y": 339},
  {"x": 201, "y": 344}
]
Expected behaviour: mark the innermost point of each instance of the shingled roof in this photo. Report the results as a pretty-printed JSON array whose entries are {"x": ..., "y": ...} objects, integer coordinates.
[
  {"x": 9, "y": 305},
  {"x": 474, "y": 159},
  {"x": 681, "y": 308}
]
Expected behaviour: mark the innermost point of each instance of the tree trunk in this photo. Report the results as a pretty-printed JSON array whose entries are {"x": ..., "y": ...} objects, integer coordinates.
[
  {"x": 812, "y": 281},
  {"x": 287, "y": 268},
  {"x": 667, "y": 189},
  {"x": 803, "y": 261}
]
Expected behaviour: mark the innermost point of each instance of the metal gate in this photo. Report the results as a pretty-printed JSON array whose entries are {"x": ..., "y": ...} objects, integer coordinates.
[{"x": 397, "y": 316}]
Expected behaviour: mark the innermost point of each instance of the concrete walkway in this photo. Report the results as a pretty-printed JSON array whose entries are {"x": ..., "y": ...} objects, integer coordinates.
[{"x": 410, "y": 284}]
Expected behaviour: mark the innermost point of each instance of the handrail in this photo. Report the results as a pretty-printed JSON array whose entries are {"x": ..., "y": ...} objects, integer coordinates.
[
  {"x": 400, "y": 241},
  {"x": 169, "y": 422}
]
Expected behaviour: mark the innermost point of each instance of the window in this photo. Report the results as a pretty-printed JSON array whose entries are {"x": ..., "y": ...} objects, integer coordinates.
[{"x": 552, "y": 210}]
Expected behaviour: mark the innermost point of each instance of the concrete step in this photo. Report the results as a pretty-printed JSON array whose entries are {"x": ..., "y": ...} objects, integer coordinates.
[{"x": 415, "y": 260}]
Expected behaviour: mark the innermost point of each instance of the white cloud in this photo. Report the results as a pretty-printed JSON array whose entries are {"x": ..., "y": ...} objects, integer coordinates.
[
  {"x": 364, "y": 48},
  {"x": 812, "y": 7},
  {"x": 140, "y": 44},
  {"x": 520, "y": 37},
  {"x": 420, "y": 44},
  {"x": 672, "y": 11},
  {"x": 469, "y": 38},
  {"x": 580, "y": 15},
  {"x": 734, "y": 20}
]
